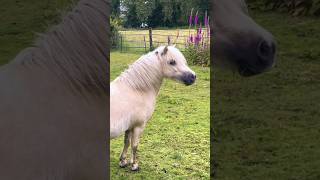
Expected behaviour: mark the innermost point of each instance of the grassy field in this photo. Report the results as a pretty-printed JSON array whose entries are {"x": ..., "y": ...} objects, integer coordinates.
[
  {"x": 268, "y": 127},
  {"x": 175, "y": 143},
  {"x": 21, "y": 20},
  {"x": 137, "y": 38}
]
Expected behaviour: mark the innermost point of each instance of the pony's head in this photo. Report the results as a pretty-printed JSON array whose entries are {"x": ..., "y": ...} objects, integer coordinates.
[
  {"x": 240, "y": 44},
  {"x": 174, "y": 65}
]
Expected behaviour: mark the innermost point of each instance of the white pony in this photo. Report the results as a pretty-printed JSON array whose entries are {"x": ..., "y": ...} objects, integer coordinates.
[{"x": 134, "y": 92}]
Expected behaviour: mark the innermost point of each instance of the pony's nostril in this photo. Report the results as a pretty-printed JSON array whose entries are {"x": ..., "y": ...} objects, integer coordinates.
[{"x": 266, "y": 50}]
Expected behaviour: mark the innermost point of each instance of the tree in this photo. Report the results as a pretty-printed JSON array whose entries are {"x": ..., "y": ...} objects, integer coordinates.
[
  {"x": 157, "y": 17},
  {"x": 144, "y": 9},
  {"x": 129, "y": 10},
  {"x": 115, "y": 11},
  {"x": 161, "y": 12}
]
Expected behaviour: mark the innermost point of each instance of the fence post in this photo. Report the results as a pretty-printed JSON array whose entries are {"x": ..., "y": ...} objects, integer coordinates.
[
  {"x": 145, "y": 44},
  {"x": 120, "y": 43},
  {"x": 150, "y": 39},
  {"x": 168, "y": 40}
]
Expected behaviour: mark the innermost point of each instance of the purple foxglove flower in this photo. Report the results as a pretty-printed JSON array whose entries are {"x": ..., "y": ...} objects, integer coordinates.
[
  {"x": 190, "y": 17},
  {"x": 205, "y": 22},
  {"x": 190, "y": 20},
  {"x": 196, "y": 18},
  {"x": 197, "y": 40},
  {"x": 199, "y": 37}
]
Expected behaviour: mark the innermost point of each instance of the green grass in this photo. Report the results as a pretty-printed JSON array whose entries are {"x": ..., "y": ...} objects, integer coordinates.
[
  {"x": 21, "y": 20},
  {"x": 175, "y": 143},
  {"x": 268, "y": 126}
]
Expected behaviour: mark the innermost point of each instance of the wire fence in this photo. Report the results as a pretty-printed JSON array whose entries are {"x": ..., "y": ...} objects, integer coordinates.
[{"x": 147, "y": 40}]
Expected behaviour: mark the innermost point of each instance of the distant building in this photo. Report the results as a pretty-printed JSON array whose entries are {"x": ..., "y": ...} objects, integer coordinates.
[
  {"x": 123, "y": 10},
  {"x": 143, "y": 25}
]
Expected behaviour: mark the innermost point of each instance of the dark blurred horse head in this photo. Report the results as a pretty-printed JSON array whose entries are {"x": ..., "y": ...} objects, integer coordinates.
[{"x": 239, "y": 43}]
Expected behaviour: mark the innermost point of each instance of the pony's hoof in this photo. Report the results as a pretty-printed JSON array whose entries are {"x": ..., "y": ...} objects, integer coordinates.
[
  {"x": 123, "y": 163},
  {"x": 135, "y": 167}
]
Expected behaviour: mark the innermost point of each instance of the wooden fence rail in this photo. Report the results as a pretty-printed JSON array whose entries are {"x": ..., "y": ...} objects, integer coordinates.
[{"x": 148, "y": 40}]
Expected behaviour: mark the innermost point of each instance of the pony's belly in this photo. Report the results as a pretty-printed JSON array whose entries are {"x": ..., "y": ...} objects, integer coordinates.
[
  {"x": 128, "y": 109},
  {"x": 118, "y": 123},
  {"x": 115, "y": 133}
]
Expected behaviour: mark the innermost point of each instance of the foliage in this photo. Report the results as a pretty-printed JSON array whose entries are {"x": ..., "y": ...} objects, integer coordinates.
[
  {"x": 175, "y": 143},
  {"x": 114, "y": 28},
  {"x": 293, "y": 7},
  {"x": 160, "y": 12},
  {"x": 144, "y": 9},
  {"x": 198, "y": 44},
  {"x": 157, "y": 16},
  {"x": 115, "y": 11},
  {"x": 197, "y": 56}
]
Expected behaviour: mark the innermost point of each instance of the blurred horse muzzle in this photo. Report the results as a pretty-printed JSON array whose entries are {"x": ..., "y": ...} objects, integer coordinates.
[{"x": 188, "y": 78}]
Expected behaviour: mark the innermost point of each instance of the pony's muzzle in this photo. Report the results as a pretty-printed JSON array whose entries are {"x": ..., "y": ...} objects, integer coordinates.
[{"x": 189, "y": 78}]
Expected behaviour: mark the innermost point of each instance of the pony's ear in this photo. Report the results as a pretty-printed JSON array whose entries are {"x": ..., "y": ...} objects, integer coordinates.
[{"x": 165, "y": 50}]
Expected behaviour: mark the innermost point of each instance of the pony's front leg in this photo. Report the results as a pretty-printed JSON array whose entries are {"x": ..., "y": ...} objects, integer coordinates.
[
  {"x": 123, "y": 158},
  {"x": 136, "y": 133}
]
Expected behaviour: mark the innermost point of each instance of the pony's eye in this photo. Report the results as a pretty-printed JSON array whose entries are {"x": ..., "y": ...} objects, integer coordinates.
[{"x": 172, "y": 62}]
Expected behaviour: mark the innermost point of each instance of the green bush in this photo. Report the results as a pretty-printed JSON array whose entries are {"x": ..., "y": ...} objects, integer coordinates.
[
  {"x": 114, "y": 27},
  {"x": 293, "y": 7},
  {"x": 197, "y": 55}
]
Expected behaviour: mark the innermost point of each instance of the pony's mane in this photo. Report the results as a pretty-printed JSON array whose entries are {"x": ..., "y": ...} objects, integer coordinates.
[
  {"x": 144, "y": 74},
  {"x": 77, "y": 49}
]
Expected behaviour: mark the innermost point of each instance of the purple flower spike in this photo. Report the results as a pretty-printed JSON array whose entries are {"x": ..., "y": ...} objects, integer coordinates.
[
  {"x": 190, "y": 17},
  {"x": 190, "y": 20},
  {"x": 197, "y": 39},
  {"x": 206, "y": 22},
  {"x": 196, "y": 18}
]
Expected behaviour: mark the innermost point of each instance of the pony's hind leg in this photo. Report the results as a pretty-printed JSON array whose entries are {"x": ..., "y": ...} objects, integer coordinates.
[
  {"x": 123, "y": 158},
  {"x": 135, "y": 137}
]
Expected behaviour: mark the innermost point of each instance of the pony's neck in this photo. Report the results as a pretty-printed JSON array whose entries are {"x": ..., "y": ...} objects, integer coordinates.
[{"x": 145, "y": 75}]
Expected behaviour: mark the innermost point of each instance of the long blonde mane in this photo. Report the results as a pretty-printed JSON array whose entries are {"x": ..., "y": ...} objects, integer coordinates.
[
  {"x": 144, "y": 74},
  {"x": 76, "y": 49}
]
